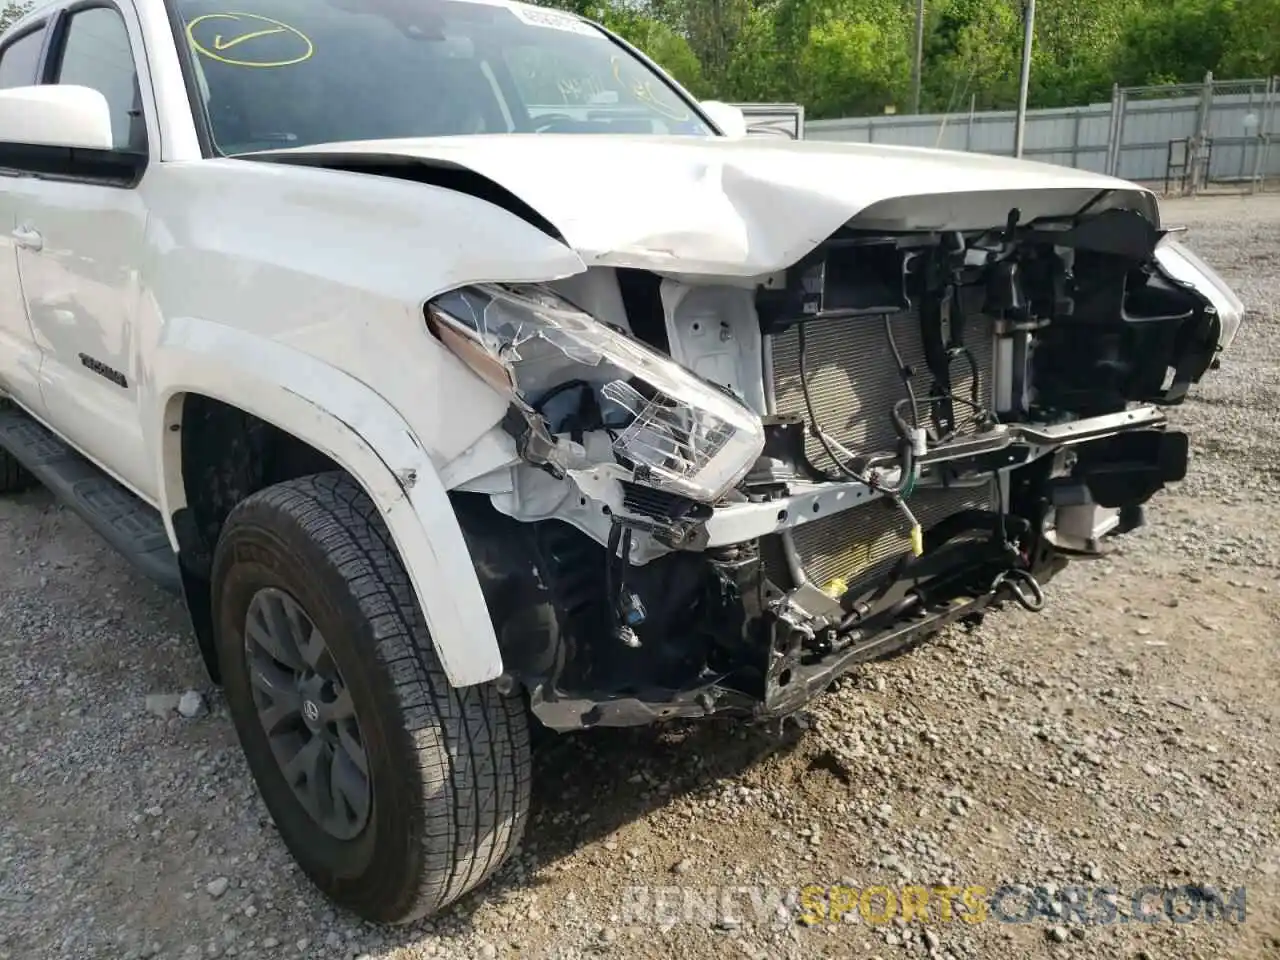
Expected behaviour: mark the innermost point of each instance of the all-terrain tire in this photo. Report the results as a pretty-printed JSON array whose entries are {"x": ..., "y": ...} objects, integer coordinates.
[
  {"x": 14, "y": 477},
  {"x": 449, "y": 768}
]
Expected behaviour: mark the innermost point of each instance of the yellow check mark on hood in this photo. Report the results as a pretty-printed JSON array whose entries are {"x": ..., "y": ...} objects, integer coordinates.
[{"x": 219, "y": 44}]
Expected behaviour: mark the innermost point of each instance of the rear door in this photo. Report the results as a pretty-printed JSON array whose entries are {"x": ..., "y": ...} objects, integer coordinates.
[{"x": 19, "y": 355}]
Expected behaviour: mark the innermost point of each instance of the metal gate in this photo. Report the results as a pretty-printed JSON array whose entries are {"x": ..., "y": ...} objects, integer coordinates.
[{"x": 1192, "y": 137}]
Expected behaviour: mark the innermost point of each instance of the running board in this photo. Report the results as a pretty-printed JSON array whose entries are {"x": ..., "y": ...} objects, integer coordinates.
[{"x": 131, "y": 526}]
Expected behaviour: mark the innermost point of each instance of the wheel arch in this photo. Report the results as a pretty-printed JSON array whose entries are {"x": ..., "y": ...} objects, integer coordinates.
[{"x": 348, "y": 424}]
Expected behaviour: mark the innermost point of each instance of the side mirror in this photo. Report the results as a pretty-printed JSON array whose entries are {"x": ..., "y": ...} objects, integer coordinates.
[
  {"x": 56, "y": 116},
  {"x": 730, "y": 119}
]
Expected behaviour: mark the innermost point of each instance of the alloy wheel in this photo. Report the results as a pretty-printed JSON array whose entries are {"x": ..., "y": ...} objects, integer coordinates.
[{"x": 307, "y": 712}]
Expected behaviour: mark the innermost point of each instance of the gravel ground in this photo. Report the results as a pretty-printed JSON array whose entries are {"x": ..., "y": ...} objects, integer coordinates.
[{"x": 1126, "y": 737}]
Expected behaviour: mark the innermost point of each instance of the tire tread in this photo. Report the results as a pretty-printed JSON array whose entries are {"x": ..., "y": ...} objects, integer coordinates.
[
  {"x": 14, "y": 477},
  {"x": 483, "y": 763}
]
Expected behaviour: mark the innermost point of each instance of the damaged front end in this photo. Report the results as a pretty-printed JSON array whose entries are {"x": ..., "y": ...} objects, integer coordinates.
[{"x": 715, "y": 495}]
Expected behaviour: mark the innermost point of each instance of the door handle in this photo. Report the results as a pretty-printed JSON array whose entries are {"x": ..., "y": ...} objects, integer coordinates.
[{"x": 29, "y": 238}]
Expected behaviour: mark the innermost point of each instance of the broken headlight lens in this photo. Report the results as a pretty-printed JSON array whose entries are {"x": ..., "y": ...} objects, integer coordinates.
[{"x": 676, "y": 430}]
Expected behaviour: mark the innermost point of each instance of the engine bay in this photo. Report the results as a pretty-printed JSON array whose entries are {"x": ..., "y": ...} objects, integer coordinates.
[{"x": 716, "y": 496}]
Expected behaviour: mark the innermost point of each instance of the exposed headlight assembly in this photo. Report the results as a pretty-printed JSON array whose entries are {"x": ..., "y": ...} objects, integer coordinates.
[
  {"x": 675, "y": 430},
  {"x": 1182, "y": 264}
]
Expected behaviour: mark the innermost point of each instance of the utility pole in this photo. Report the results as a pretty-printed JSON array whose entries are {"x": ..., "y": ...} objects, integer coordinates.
[
  {"x": 916, "y": 66},
  {"x": 1028, "y": 34}
]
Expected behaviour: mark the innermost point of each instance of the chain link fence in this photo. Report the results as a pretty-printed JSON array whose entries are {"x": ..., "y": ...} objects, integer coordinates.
[{"x": 1215, "y": 135}]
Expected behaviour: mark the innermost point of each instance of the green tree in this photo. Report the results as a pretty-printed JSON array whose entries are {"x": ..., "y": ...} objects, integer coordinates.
[
  {"x": 760, "y": 69},
  {"x": 658, "y": 39},
  {"x": 1253, "y": 46},
  {"x": 660, "y": 42},
  {"x": 836, "y": 56},
  {"x": 973, "y": 47},
  {"x": 1075, "y": 46},
  {"x": 850, "y": 67},
  {"x": 714, "y": 30},
  {"x": 849, "y": 57},
  {"x": 1174, "y": 42}
]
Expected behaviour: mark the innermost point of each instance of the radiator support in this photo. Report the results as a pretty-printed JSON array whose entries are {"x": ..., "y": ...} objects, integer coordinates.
[{"x": 854, "y": 381}]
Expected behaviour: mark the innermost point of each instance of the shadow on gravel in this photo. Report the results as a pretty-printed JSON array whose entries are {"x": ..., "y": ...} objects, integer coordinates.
[{"x": 588, "y": 785}]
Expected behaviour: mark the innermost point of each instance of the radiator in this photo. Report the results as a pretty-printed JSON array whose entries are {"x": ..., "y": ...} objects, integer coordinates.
[{"x": 853, "y": 383}]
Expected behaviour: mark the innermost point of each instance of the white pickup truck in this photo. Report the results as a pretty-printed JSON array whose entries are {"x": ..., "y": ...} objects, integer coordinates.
[{"x": 459, "y": 368}]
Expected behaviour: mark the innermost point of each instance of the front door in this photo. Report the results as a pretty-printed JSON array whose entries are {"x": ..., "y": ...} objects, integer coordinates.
[
  {"x": 81, "y": 274},
  {"x": 19, "y": 355}
]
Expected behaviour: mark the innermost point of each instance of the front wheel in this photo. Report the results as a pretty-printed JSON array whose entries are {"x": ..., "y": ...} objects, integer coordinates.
[{"x": 395, "y": 792}]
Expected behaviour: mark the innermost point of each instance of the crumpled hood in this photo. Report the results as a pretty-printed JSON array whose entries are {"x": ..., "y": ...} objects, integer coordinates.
[{"x": 743, "y": 207}]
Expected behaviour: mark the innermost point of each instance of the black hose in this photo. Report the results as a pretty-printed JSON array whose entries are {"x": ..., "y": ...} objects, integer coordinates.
[
  {"x": 813, "y": 417},
  {"x": 610, "y": 588},
  {"x": 865, "y": 608},
  {"x": 903, "y": 371},
  {"x": 816, "y": 473},
  {"x": 907, "y": 467},
  {"x": 900, "y": 424},
  {"x": 555, "y": 391},
  {"x": 905, "y": 451},
  {"x": 975, "y": 393},
  {"x": 905, "y": 605}
]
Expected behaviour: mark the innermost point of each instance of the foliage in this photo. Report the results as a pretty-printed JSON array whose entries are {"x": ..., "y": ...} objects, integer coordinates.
[
  {"x": 850, "y": 57},
  {"x": 659, "y": 41},
  {"x": 1178, "y": 42},
  {"x": 850, "y": 65},
  {"x": 1253, "y": 44},
  {"x": 853, "y": 57},
  {"x": 973, "y": 49}
]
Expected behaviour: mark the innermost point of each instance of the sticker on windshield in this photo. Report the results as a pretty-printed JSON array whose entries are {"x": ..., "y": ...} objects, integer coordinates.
[
  {"x": 249, "y": 40},
  {"x": 541, "y": 17}
]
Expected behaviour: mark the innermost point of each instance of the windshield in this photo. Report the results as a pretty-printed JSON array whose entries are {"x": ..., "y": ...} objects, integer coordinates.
[{"x": 280, "y": 73}]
